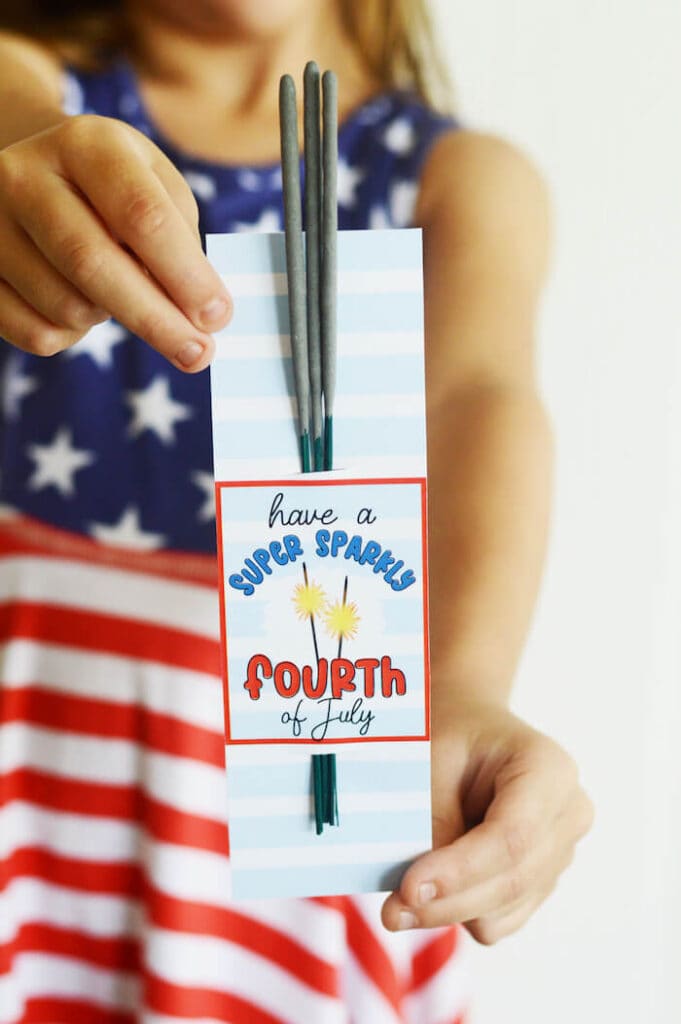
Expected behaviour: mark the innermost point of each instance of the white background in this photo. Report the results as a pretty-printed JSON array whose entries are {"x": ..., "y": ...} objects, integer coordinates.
[{"x": 590, "y": 89}]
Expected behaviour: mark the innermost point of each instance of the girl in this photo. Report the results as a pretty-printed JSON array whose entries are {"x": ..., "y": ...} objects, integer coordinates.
[{"x": 127, "y": 130}]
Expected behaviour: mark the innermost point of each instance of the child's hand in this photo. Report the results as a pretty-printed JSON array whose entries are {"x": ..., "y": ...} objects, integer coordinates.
[
  {"x": 94, "y": 222},
  {"x": 507, "y": 812}
]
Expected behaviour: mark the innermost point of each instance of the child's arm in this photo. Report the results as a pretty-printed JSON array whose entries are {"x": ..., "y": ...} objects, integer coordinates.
[
  {"x": 94, "y": 222},
  {"x": 507, "y": 806},
  {"x": 485, "y": 215}
]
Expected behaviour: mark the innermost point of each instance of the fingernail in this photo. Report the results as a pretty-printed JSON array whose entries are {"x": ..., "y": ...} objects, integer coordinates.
[
  {"x": 407, "y": 919},
  {"x": 189, "y": 354},
  {"x": 214, "y": 311},
  {"x": 427, "y": 892}
]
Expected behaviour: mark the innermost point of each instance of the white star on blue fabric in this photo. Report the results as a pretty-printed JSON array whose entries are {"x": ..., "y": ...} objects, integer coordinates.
[
  {"x": 17, "y": 386},
  {"x": 379, "y": 218},
  {"x": 127, "y": 533},
  {"x": 202, "y": 185},
  {"x": 72, "y": 95},
  {"x": 400, "y": 136},
  {"x": 206, "y": 483},
  {"x": 403, "y": 197},
  {"x": 98, "y": 342},
  {"x": 347, "y": 182},
  {"x": 57, "y": 463},
  {"x": 268, "y": 221},
  {"x": 154, "y": 408},
  {"x": 401, "y": 207},
  {"x": 249, "y": 181}
]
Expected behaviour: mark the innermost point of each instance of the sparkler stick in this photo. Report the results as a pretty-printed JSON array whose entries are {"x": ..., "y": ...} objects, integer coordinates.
[
  {"x": 329, "y": 255},
  {"x": 312, "y": 315},
  {"x": 313, "y": 198},
  {"x": 318, "y": 793},
  {"x": 325, "y": 791},
  {"x": 295, "y": 262},
  {"x": 332, "y": 792}
]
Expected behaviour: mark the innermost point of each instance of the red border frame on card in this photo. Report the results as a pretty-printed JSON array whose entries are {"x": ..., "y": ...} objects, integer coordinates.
[{"x": 311, "y": 482}]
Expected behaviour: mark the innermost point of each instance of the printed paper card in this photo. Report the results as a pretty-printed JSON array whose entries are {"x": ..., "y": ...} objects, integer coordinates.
[{"x": 323, "y": 582}]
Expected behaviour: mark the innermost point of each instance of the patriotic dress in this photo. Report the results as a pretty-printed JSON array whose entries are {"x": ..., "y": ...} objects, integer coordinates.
[{"x": 114, "y": 851}]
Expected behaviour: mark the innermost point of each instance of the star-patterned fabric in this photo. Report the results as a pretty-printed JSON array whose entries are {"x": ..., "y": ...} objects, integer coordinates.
[{"x": 107, "y": 439}]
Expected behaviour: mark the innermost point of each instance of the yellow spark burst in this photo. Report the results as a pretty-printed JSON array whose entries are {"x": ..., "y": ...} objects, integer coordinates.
[
  {"x": 309, "y": 599},
  {"x": 342, "y": 620}
]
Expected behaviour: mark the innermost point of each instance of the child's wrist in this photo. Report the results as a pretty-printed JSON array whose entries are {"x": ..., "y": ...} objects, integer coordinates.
[{"x": 454, "y": 691}]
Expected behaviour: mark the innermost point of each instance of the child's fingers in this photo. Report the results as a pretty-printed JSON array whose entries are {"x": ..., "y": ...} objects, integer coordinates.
[
  {"x": 21, "y": 325},
  {"x": 499, "y": 844},
  {"x": 26, "y": 270},
  {"x": 178, "y": 190},
  {"x": 76, "y": 242},
  {"x": 490, "y": 929},
  {"x": 136, "y": 207},
  {"x": 526, "y": 840},
  {"x": 533, "y": 790},
  {"x": 497, "y": 896}
]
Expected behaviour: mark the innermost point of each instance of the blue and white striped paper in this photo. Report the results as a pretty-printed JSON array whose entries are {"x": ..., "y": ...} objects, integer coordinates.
[
  {"x": 380, "y": 405},
  {"x": 379, "y": 437}
]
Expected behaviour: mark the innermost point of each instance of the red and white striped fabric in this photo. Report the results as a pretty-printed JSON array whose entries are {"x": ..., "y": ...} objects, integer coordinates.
[{"x": 113, "y": 839}]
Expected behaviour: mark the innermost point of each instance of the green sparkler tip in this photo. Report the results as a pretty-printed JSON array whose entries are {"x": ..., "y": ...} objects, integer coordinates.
[
  {"x": 328, "y": 442},
  {"x": 318, "y": 448},
  {"x": 318, "y": 793},
  {"x": 325, "y": 788},
  {"x": 331, "y": 815},
  {"x": 305, "y": 451}
]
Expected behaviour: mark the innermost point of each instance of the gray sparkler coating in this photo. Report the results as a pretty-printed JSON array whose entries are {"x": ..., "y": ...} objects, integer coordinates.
[
  {"x": 295, "y": 264},
  {"x": 329, "y": 253},
  {"x": 313, "y": 198}
]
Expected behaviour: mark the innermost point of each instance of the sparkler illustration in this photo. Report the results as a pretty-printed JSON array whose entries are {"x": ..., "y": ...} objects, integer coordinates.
[
  {"x": 309, "y": 599},
  {"x": 342, "y": 619}
]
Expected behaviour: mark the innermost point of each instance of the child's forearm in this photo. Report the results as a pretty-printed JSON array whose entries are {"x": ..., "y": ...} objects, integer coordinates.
[
  {"x": 30, "y": 93},
  {"x": 489, "y": 496},
  {"x": 485, "y": 214}
]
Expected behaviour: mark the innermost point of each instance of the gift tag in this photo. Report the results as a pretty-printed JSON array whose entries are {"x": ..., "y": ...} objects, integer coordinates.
[{"x": 323, "y": 579}]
